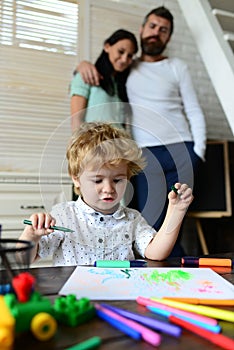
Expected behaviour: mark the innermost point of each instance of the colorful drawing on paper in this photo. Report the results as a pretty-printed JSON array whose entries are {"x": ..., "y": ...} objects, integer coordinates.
[{"x": 129, "y": 283}]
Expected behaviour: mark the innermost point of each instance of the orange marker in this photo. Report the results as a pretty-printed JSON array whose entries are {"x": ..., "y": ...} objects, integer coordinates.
[
  {"x": 195, "y": 262},
  {"x": 219, "y": 269}
]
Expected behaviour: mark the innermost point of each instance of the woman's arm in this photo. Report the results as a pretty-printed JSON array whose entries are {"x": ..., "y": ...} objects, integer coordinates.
[{"x": 78, "y": 106}]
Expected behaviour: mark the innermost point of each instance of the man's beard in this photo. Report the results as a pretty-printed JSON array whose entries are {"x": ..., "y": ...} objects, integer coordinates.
[{"x": 152, "y": 48}]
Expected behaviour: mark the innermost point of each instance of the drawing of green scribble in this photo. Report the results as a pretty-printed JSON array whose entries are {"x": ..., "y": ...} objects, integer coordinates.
[
  {"x": 127, "y": 272},
  {"x": 172, "y": 277}
]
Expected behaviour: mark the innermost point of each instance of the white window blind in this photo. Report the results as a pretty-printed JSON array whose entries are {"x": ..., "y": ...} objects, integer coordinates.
[{"x": 38, "y": 52}]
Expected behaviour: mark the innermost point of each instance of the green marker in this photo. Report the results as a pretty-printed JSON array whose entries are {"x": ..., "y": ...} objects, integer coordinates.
[
  {"x": 120, "y": 263},
  {"x": 91, "y": 343},
  {"x": 58, "y": 228},
  {"x": 174, "y": 189}
]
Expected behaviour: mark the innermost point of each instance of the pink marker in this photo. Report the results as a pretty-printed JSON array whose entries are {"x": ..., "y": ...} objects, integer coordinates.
[
  {"x": 149, "y": 302},
  {"x": 147, "y": 334}
]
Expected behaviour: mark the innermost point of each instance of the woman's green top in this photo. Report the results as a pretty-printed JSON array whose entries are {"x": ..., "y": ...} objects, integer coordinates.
[{"x": 101, "y": 107}]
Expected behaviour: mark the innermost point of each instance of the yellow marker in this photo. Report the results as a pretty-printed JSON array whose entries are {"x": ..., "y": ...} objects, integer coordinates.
[
  {"x": 213, "y": 312},
  {"x": 213, "y": 302}
]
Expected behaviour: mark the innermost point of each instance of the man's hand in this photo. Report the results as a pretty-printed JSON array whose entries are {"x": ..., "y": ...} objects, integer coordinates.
[{"x": 89, "y": 73}]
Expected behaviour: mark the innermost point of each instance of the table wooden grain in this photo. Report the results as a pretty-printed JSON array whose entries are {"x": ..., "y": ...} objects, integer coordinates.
[{"x": 51, "y": 279}]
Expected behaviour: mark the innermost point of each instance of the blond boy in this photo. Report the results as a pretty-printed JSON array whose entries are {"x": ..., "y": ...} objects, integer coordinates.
[{"x": 101, "y": 160}]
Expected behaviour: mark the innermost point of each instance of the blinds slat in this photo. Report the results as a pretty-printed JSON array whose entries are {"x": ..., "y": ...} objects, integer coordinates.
[{"x": 34, "y": 84}]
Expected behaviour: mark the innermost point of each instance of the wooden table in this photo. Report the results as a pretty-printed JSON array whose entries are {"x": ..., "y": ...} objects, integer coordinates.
[{"x": 51, "y": 279}]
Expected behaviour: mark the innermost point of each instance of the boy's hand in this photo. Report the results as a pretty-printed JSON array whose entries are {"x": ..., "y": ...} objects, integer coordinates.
[
  {"x": 41, "y": 223},
  {"x": 183, "y": 198}
]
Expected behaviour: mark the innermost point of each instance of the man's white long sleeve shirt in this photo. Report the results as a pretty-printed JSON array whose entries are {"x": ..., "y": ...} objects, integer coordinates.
[{"x": 165, "y": 106}]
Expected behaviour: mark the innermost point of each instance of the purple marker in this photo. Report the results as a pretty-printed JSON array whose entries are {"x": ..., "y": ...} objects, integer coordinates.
[{"x": 147, "y": 321}]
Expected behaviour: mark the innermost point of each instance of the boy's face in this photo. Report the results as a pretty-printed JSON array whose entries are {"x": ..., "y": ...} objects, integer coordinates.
[{"x": 103, "y": 189}]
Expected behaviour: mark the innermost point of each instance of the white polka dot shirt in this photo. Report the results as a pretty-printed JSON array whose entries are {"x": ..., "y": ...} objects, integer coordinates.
[{"x": 96, "y": 236}]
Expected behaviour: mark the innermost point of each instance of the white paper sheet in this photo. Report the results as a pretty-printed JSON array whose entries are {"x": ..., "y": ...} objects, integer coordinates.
[{"x": 129, "y": 283}]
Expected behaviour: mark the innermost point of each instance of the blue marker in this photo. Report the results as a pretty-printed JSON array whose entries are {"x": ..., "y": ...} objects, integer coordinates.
[{"x": 119, "y": 325}]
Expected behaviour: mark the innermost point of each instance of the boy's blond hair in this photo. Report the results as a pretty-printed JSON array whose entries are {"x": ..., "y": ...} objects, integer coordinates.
[{"x": 100, "y": 144}]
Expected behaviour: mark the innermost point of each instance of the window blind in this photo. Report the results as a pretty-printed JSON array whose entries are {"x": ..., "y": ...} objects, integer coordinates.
[{"x": 39, "y": 46}]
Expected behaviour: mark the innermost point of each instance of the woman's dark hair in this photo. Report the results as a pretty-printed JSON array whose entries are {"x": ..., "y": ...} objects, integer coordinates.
[{"x": 106, "y": 69}]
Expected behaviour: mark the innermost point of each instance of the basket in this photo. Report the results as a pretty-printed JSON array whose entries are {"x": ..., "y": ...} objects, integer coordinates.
[{"x": 14, "y": 258}]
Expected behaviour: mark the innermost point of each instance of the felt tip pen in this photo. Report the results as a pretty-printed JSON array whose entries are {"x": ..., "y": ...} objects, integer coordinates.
[
  {"x": 148, "y": 302},
  {"x": 196, "y": 301},
  {"x": 173, "y": 188},
  {"x": 58, "y": 228},
  {"x": 219, "y": 269},
  {"x": 91, "y": 343},
  {"x": 119, "y": 325},
  {"x": 165, "y": 313},
  {"x": 218, "y": 339},
  {"x": 193, "y": 261},
  {"x": 120, "y": 263},
  {"x": 209, "y": 311},
  {"x": 147, "y": 334},
  {"x": 147, "y": 321}
]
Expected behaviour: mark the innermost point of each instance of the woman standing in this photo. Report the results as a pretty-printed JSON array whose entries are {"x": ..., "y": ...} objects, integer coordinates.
[{"x": 104, "y": 103}]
